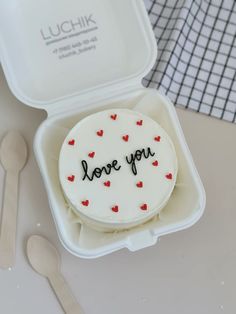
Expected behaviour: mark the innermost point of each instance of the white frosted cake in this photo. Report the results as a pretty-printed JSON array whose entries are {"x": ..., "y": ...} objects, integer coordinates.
[{"x": 117, "y": 169}]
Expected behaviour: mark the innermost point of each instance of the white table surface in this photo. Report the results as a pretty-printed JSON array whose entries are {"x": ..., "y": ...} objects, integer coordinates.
[{"x": 192, "y": 271}]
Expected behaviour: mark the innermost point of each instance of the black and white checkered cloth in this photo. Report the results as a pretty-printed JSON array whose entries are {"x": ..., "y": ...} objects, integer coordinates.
[{"x": 196, "y": 65}]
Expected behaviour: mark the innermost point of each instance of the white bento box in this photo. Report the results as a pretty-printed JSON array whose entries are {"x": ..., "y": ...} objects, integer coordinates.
[{"x": 73, "y": 58}]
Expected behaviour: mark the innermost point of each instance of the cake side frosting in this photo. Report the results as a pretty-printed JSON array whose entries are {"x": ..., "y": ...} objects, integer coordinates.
[{"x": 117, "y": 167}]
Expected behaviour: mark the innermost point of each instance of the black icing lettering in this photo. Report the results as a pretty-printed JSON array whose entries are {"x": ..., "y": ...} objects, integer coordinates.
[
  {"x": 149, "y": 153},
  {"x": 114, "y": 164},
  {"x": 107, "y": 169},
  {"x": 132, "y": 162},
  {"x": 85, "y": 168},
  {"x": 97, "y": 172},
  {"x": 137, "y": 156},
  {"x": 139, "y": 153}
]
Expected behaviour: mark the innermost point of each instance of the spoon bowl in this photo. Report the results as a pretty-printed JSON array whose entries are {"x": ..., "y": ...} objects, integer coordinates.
[
  {"x": 13, "y": 151},
  {"x": 42, "y": 255},
  {"x": 13, "y": 155},
  {"x": 45, "y": 260}
]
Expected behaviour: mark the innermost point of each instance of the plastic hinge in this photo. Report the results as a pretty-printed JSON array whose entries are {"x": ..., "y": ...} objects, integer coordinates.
[{"x": 89, "y": 98}]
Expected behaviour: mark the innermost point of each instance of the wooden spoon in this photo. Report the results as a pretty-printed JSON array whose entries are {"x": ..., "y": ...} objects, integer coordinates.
[
  {"x": 45, "y": 260},
  {"x": 13, "y": 155}
]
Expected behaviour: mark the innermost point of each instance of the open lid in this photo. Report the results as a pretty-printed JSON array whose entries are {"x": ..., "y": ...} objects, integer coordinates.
[{"x": 56, "y": 50}]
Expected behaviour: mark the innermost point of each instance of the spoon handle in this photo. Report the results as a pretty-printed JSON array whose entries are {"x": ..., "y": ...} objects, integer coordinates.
[
  {"x": 9, "y": 219},
  {"x": 64, "y": 294}
]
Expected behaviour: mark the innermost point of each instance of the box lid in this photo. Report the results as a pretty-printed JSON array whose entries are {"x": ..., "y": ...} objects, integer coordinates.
[{"x": 54, "y": 51}]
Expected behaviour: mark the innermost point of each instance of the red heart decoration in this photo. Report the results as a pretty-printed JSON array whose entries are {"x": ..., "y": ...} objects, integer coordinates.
[
  {"x": 91, "y": 155},
  {"x": 157, "y": 138},
  {"x": 113, "y": 116},
  {"x": 85, "y": 203},
  {"x": 139, "y": 122},
  {"x": 139, "y": 184},
  {"x": 71, "y": 142},
  {"x": 144, "y": 207},
  {"x": 100, "y": 133},
  {"x": 169, "y": 176},
  {"x": 115, "y": 209},
  {"x": 107, "y": 183},
  {"x": 155, "y": 163},
  {"x": 125, "y": 138},
  {"x": 71, "y": 178}
]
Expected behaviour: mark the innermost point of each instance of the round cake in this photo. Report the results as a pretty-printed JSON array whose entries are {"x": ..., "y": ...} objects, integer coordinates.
[{"x": 117, "y": 169}]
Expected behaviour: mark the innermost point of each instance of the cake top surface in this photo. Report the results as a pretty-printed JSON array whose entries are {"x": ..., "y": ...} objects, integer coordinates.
[{"x": 117, "y": 166}]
